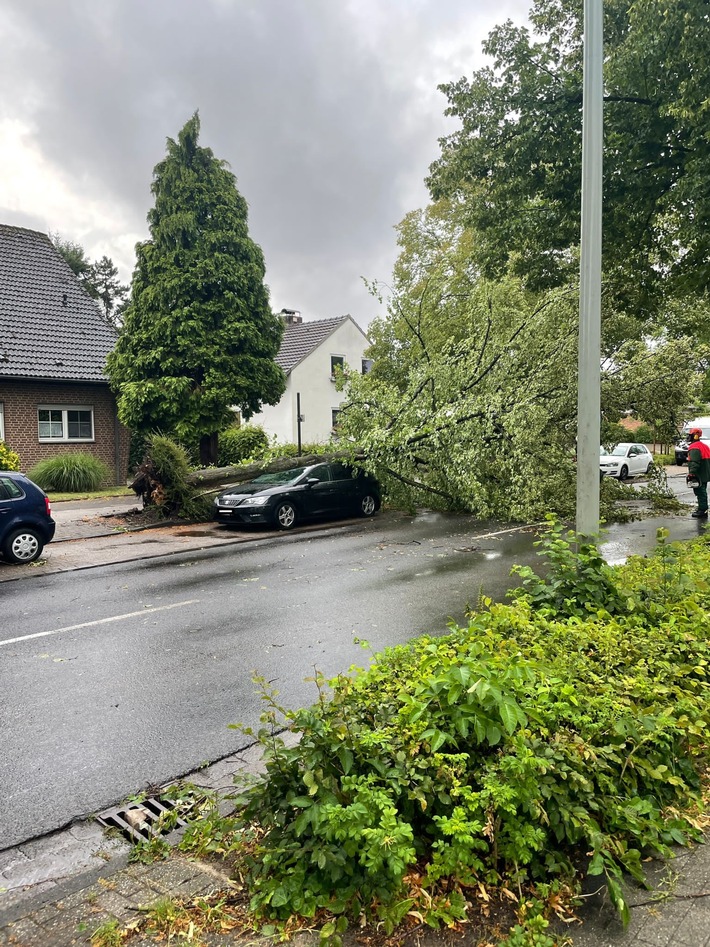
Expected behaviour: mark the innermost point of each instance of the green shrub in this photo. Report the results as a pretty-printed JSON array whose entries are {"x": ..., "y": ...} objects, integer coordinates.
[
  {"x": 612, "y": 434},
  {"x": 644, "y": 435},
  {"x": 541, "y": 742},
  {"x": 239, "y": 444},
  {"x": 71, "y": 473},
  {"x": 291, "y": 450},
  {"x": 9, "y": 460}
]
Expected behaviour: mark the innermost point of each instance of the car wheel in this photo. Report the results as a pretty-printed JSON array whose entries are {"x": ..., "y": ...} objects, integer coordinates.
[
  {"x": 368, "y": 505},
  {"x": 23, "y": 545},
  {"x": 649, "y": 468},
  {"x": 286, "y": 515},
  {"x": 624, "y": 472}
]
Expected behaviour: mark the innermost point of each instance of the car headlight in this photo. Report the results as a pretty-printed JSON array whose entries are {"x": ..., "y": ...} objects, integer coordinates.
[{"x": 255, "y": 501}]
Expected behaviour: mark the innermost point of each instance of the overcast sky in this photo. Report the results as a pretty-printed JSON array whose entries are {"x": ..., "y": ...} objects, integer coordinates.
[{"x": 326, "y": 110}]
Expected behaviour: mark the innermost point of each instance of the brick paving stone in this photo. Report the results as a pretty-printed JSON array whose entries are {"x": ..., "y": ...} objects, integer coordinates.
[
  {"x": 25, "y": 933},
  {"x": 118, "y": 905}
]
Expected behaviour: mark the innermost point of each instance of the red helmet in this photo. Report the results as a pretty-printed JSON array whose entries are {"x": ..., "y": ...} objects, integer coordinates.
[{"x": 695, "y": 430}]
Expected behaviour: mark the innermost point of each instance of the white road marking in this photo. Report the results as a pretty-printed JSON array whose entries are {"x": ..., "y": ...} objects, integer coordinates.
[{"x": 101, "y": 621}]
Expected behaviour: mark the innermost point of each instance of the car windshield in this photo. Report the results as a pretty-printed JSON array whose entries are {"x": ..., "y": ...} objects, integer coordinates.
[
  {"x": 619, "y": 451},
  {"x": 281, "y": 477}
]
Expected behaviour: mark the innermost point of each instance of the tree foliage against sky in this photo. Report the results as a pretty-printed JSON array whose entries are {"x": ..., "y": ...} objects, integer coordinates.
[
  {"x": 99, "y": 279},
  {"x": 198, "y": 335},
  {"x": 470, "y": 391},
  {"x": 472, "y": 398},
  {"x": 516, "y": 161}
]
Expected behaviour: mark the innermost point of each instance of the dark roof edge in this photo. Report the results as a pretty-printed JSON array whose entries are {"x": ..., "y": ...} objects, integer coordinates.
[{"x": 5, "y": 379}]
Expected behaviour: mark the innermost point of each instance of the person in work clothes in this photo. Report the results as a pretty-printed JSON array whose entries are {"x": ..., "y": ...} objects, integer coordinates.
[{"x": 699, "y": 471}]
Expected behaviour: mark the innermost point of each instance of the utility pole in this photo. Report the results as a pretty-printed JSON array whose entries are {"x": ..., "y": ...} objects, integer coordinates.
[
  {"x": 588, "y": 397},
  {"x": 299, "y": 420}
]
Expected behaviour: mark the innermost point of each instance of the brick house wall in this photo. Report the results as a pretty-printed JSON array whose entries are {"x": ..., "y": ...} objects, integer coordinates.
[{"x": 20, "y": 401}]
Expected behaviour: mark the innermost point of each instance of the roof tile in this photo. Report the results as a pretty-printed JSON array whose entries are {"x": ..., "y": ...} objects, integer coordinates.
[
  {"x": 49, "y": 326},
  {"x": 302, "y": 338}
]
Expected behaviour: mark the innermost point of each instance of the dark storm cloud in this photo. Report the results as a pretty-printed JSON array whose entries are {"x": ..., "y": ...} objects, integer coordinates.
[{"x": 325, "y": 110}]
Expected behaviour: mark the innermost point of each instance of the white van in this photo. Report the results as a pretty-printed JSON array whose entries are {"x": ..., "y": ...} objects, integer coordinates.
[{"x": 681, "y": 448}]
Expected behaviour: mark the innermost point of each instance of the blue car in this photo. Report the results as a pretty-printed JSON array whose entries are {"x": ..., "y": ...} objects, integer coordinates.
[{"x": 26, "y": 523}]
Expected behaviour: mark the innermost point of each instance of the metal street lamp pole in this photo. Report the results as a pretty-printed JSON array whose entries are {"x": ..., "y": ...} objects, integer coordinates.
[{"x": 588, "y": 398}]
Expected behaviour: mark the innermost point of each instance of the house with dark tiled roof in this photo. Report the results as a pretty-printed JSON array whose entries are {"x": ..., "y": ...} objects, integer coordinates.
[
  {"x": 310, "y": 354},
  {"x": 54, "y": 339}
]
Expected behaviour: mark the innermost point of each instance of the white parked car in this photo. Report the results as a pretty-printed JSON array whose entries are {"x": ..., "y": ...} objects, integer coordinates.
[{"x": 626, "y": 460}]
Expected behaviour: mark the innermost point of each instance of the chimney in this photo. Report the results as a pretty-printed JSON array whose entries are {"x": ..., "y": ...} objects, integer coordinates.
[{"x": 291, "y": 317}]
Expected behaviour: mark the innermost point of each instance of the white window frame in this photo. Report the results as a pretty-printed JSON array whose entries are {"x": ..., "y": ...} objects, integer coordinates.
[
  {"x": 2, "y": 421},
  {"x": 65, "y": 439}
]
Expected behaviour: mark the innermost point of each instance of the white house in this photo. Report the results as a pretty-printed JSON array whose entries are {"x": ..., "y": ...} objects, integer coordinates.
[{"x": 309, "y": 355}]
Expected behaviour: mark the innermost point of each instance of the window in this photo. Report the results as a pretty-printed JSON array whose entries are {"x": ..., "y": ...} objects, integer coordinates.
[
  {"x": 337, "y": 363},
  {"x": 320, "y": 473},
  {"x": 341, "y": 472},
  {"x": 334, "y": 417},
  {"x": 74, "y": 423},
  {"x": 9, "y": 490},
  {"x": 366, "y": 366},
  {"x": 2, "y": 421}
]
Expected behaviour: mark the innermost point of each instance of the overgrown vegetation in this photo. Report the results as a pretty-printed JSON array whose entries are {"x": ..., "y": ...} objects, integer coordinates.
[
  {"x": 238, "y": 444},
  {"x": 559, "y": 735},
  {"x": 161, "y": 479},
  {"x": 71, "y": 473},
  {"x": 9, "y": 460}
]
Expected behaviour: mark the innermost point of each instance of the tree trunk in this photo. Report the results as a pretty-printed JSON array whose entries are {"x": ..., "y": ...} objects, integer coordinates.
[{"x": 208, "y": 449}]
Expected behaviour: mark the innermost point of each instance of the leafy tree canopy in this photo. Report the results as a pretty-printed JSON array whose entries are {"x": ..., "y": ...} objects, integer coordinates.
[
  {"x": 515, "y": 162},
  {"x": 198, "y": 335},
  {"x": 471, "y": 402},
  {"x": 469, "y": 395}
]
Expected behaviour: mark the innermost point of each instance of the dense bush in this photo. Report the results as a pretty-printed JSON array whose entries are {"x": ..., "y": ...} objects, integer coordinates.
[
  {"x": 612, "y": 434},
  {"x": 644, "y": 435},
  {"x": 71, "y": 473},
  {"x": 238, "y": 444},
  {"x": 558, "y": 735},
  {"x": 9, "y": 460},
  {"x": 291, "y": 450}
]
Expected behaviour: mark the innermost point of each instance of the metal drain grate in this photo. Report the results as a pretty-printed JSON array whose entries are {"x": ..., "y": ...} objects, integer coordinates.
[{"x": 140, "y": 822}]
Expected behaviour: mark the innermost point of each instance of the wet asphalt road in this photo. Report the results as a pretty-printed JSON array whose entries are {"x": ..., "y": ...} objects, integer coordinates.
[
  {"x": 147, "y": 663},
  {"x": 136, "y": 669}
]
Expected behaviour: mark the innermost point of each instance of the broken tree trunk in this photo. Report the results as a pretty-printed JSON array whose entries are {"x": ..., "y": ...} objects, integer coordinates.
[{"x": 216, "y": 476}]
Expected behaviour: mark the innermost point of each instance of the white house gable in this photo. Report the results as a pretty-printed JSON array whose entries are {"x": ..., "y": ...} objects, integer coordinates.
[{"x": 310, "y": 353}]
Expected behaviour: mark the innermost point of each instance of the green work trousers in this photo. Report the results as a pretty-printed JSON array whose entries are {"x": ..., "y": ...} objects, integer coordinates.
[{"x": 701, "y": 494}]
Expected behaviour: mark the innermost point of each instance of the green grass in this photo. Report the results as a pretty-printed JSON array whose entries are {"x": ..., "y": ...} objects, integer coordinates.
[{"x": 56, "y": 496}]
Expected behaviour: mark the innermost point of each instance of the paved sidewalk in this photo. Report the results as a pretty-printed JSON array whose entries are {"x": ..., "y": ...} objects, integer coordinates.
[{"x": 85, "y": 880}]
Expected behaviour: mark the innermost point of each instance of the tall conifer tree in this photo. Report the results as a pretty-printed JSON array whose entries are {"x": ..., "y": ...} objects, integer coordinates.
[{"x": 198, "y": 335}]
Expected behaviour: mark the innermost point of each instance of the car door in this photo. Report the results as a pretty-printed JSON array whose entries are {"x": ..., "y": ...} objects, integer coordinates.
[
  {"x": 638, "y": 457},
  {"x": 10, "y": 494},
  {"x": 345, "y": 489},
  {"x": 644, "y": 459},
  {"x": 317, "y": 498}
]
